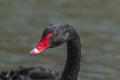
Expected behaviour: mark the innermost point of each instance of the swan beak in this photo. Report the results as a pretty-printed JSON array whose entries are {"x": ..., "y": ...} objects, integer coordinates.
[
  {"x": 35, "y": 51},
  {"x": 42, "y": 45}
]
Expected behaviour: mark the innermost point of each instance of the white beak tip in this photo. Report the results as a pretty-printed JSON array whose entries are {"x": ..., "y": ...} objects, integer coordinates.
[{"x": 35, "y": 51}]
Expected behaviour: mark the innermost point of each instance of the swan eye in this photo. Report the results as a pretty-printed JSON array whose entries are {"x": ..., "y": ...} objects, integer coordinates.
[{"x": 54, "y": 33}]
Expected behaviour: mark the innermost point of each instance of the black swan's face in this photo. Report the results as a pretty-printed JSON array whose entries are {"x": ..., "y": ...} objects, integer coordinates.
[{"x": 53, "y": 36}]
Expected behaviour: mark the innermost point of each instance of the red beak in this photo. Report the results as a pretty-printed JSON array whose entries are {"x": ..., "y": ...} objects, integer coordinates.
[{"x": 43, "y": 44}]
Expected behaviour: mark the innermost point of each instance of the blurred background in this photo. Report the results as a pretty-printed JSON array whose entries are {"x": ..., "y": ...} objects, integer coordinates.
[{"x": 96, "y": 21}]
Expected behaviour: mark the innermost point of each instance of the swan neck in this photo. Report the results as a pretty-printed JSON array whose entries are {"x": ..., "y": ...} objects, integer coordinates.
[{"x": 72, "y": 65}]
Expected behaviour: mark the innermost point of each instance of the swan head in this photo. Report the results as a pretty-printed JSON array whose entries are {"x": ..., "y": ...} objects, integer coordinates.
[{"x": 53, "y": 36}]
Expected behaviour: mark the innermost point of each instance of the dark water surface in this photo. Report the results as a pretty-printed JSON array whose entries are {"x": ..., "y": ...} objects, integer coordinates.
[{"x": 96, "y": 21}]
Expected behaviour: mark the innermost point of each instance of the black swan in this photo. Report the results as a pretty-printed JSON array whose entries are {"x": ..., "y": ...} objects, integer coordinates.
[
  {"x": 54, "y": 35},
  {"x": 57, "y": 34}
]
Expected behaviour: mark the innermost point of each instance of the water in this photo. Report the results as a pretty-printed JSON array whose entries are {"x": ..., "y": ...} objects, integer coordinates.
[{"x": 96, "y": 21}]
